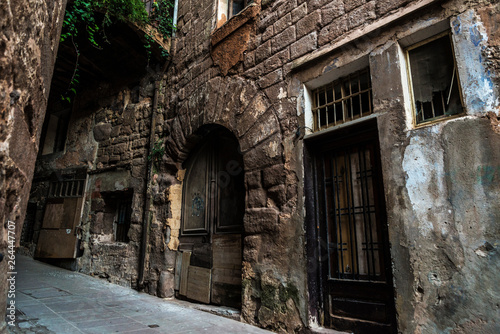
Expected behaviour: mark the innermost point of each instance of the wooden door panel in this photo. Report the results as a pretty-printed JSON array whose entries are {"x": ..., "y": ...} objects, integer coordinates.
[
  {"x": 198, "y": 284},
  {"x": 53, "y": 215},
  {"x": 58, "y": 239},
  {"x": 226, "y": 272},
  {"x": 56, "y": 244}
]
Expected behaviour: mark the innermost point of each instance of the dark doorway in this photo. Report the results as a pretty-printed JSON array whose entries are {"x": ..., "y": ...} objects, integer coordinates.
[
  {"x": 212, "y": 221},
  {"x": 354, "y": 268}
]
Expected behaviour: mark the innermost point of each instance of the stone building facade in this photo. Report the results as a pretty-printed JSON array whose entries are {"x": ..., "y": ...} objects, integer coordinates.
[{"x": 314, "y": 162}]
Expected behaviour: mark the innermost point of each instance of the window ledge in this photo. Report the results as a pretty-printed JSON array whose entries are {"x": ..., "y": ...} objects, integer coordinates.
[{"x": 248, "y": 13}]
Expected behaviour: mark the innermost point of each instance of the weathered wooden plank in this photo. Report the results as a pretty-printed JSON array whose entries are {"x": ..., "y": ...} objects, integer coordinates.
[
  {"x": 53, "y": 215},
  {"x": 178, "y": 268},
  {"x": 186, "y": 256},
  {"x": 56, "y": 244},
  {"x": 199, "y": 284}
]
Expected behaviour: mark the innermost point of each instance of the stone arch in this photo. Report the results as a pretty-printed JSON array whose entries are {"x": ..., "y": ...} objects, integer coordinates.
[{"x": 236, "y": 104}]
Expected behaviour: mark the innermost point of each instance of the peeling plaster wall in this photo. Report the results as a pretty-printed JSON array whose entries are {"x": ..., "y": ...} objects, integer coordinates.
[
  {"x": 440, "y": 183},
  {"x": 29, "y": 40}
]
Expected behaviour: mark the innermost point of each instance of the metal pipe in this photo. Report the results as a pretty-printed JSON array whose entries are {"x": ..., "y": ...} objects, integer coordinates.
[
  {"x": 146, "y": 217},
  {"x": 174, "y": 20}
]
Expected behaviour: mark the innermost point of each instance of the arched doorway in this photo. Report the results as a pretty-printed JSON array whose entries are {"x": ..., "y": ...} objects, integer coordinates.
[{"x": 213, "y": 205}]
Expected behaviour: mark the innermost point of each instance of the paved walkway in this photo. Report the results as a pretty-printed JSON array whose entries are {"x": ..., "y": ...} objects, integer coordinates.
[{"x": 54, "y": 300}]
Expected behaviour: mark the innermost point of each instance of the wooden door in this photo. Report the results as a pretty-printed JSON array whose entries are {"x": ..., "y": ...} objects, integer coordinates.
[
  {"x": 58, "y": 236},
  {"x": 355, "y": 268},
  {"x": 212, "y": 221}
]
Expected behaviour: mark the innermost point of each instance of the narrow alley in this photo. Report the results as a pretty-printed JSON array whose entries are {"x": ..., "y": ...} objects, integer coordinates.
[{"x": 54, "y": 300}]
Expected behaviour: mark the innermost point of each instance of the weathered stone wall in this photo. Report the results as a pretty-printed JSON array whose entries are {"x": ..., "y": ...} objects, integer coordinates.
[
  {"x": 29, "y": 39},
  {"x": 247, "y": 76},
  {"x": 108, "y": 135}
]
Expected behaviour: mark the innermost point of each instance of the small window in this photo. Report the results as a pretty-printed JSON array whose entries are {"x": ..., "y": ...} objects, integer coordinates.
[
  {"x": 115, "y": 209},
  {"x": 229, "y": 8},
  {"x": 122, "y": 221},
  {"x": 433, "y": 78},
  {"x": 56, "y": 130},
  {"x": 343, "y": 100}
]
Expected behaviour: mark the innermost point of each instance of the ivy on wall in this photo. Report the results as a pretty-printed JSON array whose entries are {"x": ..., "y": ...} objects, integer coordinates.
[{"x": 95, "y": 15}]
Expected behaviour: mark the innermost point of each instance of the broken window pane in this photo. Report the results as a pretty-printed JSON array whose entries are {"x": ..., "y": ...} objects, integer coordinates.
[{"x": 434, "y": 80}]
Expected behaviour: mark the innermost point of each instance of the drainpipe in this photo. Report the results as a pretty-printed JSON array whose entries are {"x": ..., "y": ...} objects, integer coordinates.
[
  {"x": 174, "y": 19},
  {"x": 147, "y": 215}
]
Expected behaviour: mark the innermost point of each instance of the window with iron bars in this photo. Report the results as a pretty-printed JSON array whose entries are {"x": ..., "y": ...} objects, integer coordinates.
[
  {"x": 343, "y": 100},
  {"x": 433, "y": 78},
  {"x": 66, "y": 188},
  {"x": 123, "y": 213}
]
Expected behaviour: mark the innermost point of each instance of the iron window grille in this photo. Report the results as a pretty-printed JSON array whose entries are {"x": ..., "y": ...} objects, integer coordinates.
[
  {"x": 343, "y": 100},
  {"x": 433, "y": 79},
  {"x": 66, "y": 188},
  {"x": 346, "y": 177},
  {"x": 123, "y": 215}
]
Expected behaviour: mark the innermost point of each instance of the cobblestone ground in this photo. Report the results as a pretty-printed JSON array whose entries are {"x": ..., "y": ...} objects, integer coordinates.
[{"x": 53, "y": 300}]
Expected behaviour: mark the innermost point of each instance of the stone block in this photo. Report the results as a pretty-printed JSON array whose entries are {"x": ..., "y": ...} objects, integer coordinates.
[
  {"x": 299, "y": 12},
  {"x": 126, "y": 130},
  {"x": 120, "y": 148},
  {"x": 304, "y": 45},
  {"x": 253, "y": 179},
  {"x": 263, "y": 52},
  {"x": 249, "y": 60},
  {"x": 102, "y": 131},
  {"x": 286, "y": 7},
  {"x": 266, "y": 126},
  {"x": 271, "y": 78},
  {"x": 361, "y": 15},
  {"x": 265, "y": 154},
  {"x": 282, "y": 23},
  {"x": 166, "y": 285},
  {"x": 260, "y": 220},
  {"x": 115, "y": 131},
  {"x": 114, "y": 159},
  {"x": 256, "y": 198},
  {"x": 282, "y": 40},
  {"x": 331, "y": 11},
  {"x": 331, "y": 32},
  {"x": 315, "y": 4},
  {"x": 268, "y": 33},
  {"x": 309, "y": 23},
  {"x": 278, "y": 195},
  {"x": 274, "y": 175},
  {"x": 275, "y": 61}
]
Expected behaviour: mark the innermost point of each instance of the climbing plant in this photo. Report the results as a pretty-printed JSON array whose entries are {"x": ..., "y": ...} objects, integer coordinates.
[
  {"x": 93, "y": 16},
  {"x": 157, "y": 152}
]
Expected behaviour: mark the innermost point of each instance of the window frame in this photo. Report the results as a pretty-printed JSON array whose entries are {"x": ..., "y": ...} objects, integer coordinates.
[
  {"x": 349, "y": 78},
  {"x": 443, "y": 117},
  {"x": 229, "y": 10}
]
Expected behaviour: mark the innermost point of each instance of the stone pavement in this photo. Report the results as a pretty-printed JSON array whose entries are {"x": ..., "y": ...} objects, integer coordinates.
[{"x": 54, "y": 300}]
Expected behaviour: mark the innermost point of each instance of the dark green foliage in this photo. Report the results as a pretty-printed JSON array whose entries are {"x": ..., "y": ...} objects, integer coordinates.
[
  {"x": 95, "y": 15},
  {"x": 157, "y": 152}
]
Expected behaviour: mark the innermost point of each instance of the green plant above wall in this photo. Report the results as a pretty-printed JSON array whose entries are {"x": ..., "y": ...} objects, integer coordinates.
[{"x": 92, "y": 17}]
